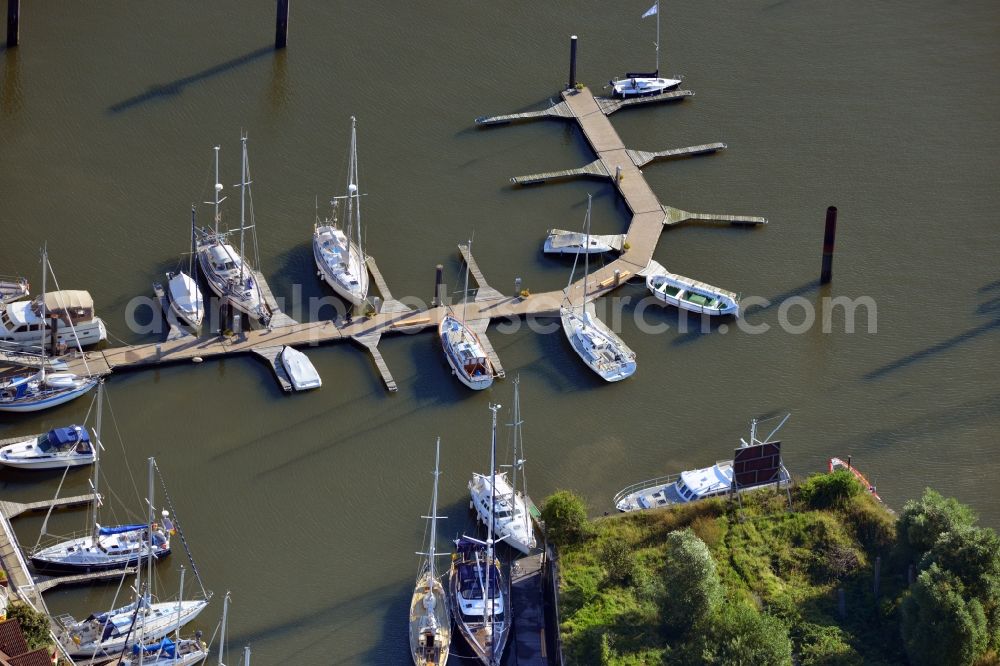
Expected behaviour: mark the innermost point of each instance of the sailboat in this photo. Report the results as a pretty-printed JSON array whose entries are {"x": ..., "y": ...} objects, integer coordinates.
[
  {"x": 183, "y": 292},
  {"x": 641, "y": 84},
  {"x": 109, "y": 634},
  {"x": 462, "y": 347},
  {"x": 103, "y": 547},
  {"x": 34, "y": 391},
  {"x": 226, "y": 269},
  {"x": 598, "y": 346},
  {"x": 511, "y": 520},
  {"x": 480, "y": 599},
  {"x": 340, "y": 259},
  {"x": 168, "y": 651},
  {"x": 430, "y": 621}
]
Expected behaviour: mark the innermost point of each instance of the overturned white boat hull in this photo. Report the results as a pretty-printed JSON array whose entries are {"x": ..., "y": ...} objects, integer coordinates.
[
  {"x": 185, "y": 299},
  {"x": 300, "y": 370}
]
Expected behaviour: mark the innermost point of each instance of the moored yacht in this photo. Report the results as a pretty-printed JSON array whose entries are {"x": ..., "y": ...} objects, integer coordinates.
[
  {"x": 56, "y": 449},
  {"x": 642, "y": 84},
  {"x": 692, "y": 295},
  {"x": 21, "y": 322}
]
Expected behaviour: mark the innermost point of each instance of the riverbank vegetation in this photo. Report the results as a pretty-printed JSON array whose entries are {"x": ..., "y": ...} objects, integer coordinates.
[{"x": 759, "y": 582}]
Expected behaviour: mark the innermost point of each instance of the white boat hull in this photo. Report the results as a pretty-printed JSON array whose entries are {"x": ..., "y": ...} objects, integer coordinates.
[
  {"x": 84, "y": 554},
  {"x": 513, "y": 524},
  {"x": 642, "y": 86},
  {"x": 300, "y": 370},
  {"x": 83, "y": 639},
  {"x": 430, "y": 622},
  {"x": 692, "y": 296},
  {"x": 348, "y": 278},
  {"x": 598, "y": 347},
  {"x": 27, "y": 455},
  {"x": 226, "y": 283},
  {"x": 42, "y": 397},
  {"x": 185, "y": 299},
  {"x": 465, "y": 354}
]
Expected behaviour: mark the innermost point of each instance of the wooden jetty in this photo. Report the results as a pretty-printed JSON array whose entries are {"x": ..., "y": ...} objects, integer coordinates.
[
  {"x": 16, "y": 568},
  {"x": 14, "y": 509},
  {"x": 527, "y": 602},
  {"x": 614, "y": 161},
  {"x": 273, "y": 357},
  {"x": 46, "y": 583}
]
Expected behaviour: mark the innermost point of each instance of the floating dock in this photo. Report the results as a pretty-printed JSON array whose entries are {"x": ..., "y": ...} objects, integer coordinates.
[
  {"x": 527, "y": 600},
  {"x": 614, "y": 161}
]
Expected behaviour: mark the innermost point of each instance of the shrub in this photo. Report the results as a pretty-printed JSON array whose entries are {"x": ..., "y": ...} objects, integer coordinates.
[
  {"x": 692, "y": 584},
  {"x": 34, "y": 625},
  {"x": 738, "y": 635},
  {"x": 618, "y": 561},
  {"x": 923, "y": 521},
  {"x": 940, "y": 625},
  {"x": 820, "y": 645},
  {"x": 565, "y": 516},
  {"x": 823, "y": 491}
]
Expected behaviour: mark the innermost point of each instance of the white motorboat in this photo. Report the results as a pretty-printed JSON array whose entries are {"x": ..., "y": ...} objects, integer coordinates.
[
  {"x": 573, "y": 242},
  {"x": 642, "y": 84},
  {"x": 70, "y": 311},
  {"x": 479, "y": 597},
  {"x": 692, "y": 295},
  {"x": 56, "y": 449},
  {"x": 228, "y": 272},
  {"x": 430, "y": 619},
  {"x": 13, "y": 289},
  {"x": 339, "y": 255},
  {"x": 691, "y": 485},
  {"x": 603, "y": 351},
  {"x": 300, "y": 370}
]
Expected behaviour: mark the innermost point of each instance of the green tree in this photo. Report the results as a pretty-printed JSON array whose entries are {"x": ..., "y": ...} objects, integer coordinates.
[
  {"x": 822, "y": 491},
  {"x": 618, "y": 561},
  {"x": 565, "y": 516},
  {"x": 924, "y": 520},
  {"x": 738, "y": 635},
  {"x": 692, "y": 584},
  {"x": 941, "y": 625},
  {"x": 34, "y": 625}
]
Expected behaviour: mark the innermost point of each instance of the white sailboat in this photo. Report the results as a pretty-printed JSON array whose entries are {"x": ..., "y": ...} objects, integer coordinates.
[
  {"x": 35, "y": 391},
  {"x": 110, "y": 634},
  {"x": 104, "y": 547},
  {"x": 641, "y": 84},
  {"x": 340, "y": 259},
  {"x": 603, "y": 351},
  {"x": 430, "y": 620},
  {"x": 463, "y": 349},
  {"x": 511, "y": 519},
  {"x": 227, "y": 270},
  {"x": 183, "y": 292},
  {"x": 479, "y": 597},
  {"x": 168, "y": 651},
  {"x": 56, "y": 449}
]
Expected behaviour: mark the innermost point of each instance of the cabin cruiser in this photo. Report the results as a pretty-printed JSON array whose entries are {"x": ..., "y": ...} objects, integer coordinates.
[{"x": 21, "y": 321}]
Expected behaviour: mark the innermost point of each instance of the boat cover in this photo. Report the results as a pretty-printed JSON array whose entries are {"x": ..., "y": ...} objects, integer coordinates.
[
  {"x": 165, "y": 647},
  {"x": 120, "y": 529},
  {"x": 69, "y": 435}
]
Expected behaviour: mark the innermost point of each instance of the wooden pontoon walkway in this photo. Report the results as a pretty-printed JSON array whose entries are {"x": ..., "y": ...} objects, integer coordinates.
[{"x": 614, "y": 161}]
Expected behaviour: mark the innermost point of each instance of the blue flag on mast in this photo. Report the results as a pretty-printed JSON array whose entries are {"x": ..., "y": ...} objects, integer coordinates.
[{"x": 652, "y": 11}]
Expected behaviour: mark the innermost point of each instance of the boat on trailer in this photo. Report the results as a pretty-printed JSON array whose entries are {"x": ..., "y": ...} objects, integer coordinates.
[
  {"x": 692, "y": 485},
  {"x": 56, "y": 449},
  {"x": 692, "y": 295}
]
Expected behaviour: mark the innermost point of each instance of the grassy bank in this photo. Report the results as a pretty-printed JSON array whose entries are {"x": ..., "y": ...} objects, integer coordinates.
[{"x": 767, "y": 586}]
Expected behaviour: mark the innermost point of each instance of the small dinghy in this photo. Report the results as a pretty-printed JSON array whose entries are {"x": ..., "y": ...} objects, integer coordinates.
[
  {"x": 692, "y": 295},
  {"x": 300, "y": 370},
  {"x": 185, "y": 298},
  {"x": 56, "y": 449}
]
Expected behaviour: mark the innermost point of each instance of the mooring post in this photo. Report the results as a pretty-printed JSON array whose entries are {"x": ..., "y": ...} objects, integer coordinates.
[
  {"x": 618, "y": 277},
  {"x": 377, "y": 302},
  {"x": 13, "y": 22},
  {"x": 572, "y": 61},
  {"x": 281, "y": 25},
  {"x": 878, "y": 573},
  {"x": 618, "y": 173},
  {"x": 828, "y": 238},
  {"x": 841, "y": 603},
  {"x": 517, "y": 286},
  {"x": 849, "y": 462},
  {"x": 438, "y": 286}
]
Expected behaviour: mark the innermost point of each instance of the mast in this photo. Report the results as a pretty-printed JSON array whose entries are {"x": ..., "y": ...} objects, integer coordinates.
[
  {"x": 97, "y": 454},
  {"x": 434, "y": 510},
  {"x": 218, "y": 188},
  {"x": 465, "y": 289},
  {"x": 657, "y": 38},
  {"x": 246, "y": 655},
  {"x": 352, "y": 190},
  {"x": 180, "y": 596},
  {"x": 357, "y": 195},
  {"x": 586, "y": 254},
  {"x": 45, "y": 274},
  {"x": 489, "y": 534},
  {"x": 243, "y": 190},
  {"x": 149, "y": 534},
  {"x": 519, "y": 461},
  {"x": 193, "y": 244},
  {"x": 222, "y": 630}
]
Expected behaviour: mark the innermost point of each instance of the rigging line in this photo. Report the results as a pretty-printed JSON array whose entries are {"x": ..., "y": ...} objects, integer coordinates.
[
  {"x": 180, "y": 532},
  {"x": 121, "y": 442},
  {"x": 45, "y": 523}
]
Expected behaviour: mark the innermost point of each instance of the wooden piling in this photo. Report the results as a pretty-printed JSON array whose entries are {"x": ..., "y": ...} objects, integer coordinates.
[
  {"x": 878, "y": 574},
  {"x": 13, "y": 22},
  {"x": 572, "y": 62},
  {"x": 281, "y": 25},
  {"x": 828, "y": 240},
  {"x": 841, "y": 604},
  {"x": 438, "y": 286}
]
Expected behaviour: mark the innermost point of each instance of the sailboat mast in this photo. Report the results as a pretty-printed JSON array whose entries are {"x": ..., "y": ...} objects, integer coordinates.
[
  {"x": 180, "y": 597},
  {"x": 465, "y": 292},
  {"x": 222, "y": 630},
  {"x": 657, "y": 38},
  {"x": 45, "y": 275},
  {"x": 97, "y": 453},
  {"x": 434, "y": 509},
  {"x": 149, "y": 532},
  {"x": 243, "y": 222},
  {"x": 357, "y": 194},
  {"x": 352, "y": 189},
  {"x": 586, "y": 254},
  {"x": 489, "y": 532},
  {"x": 193, "y": 244},
  {"x": 218, "y": 188},
  {"x": 246, "y": 655},
  {"x": 516, "y": 412}
]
